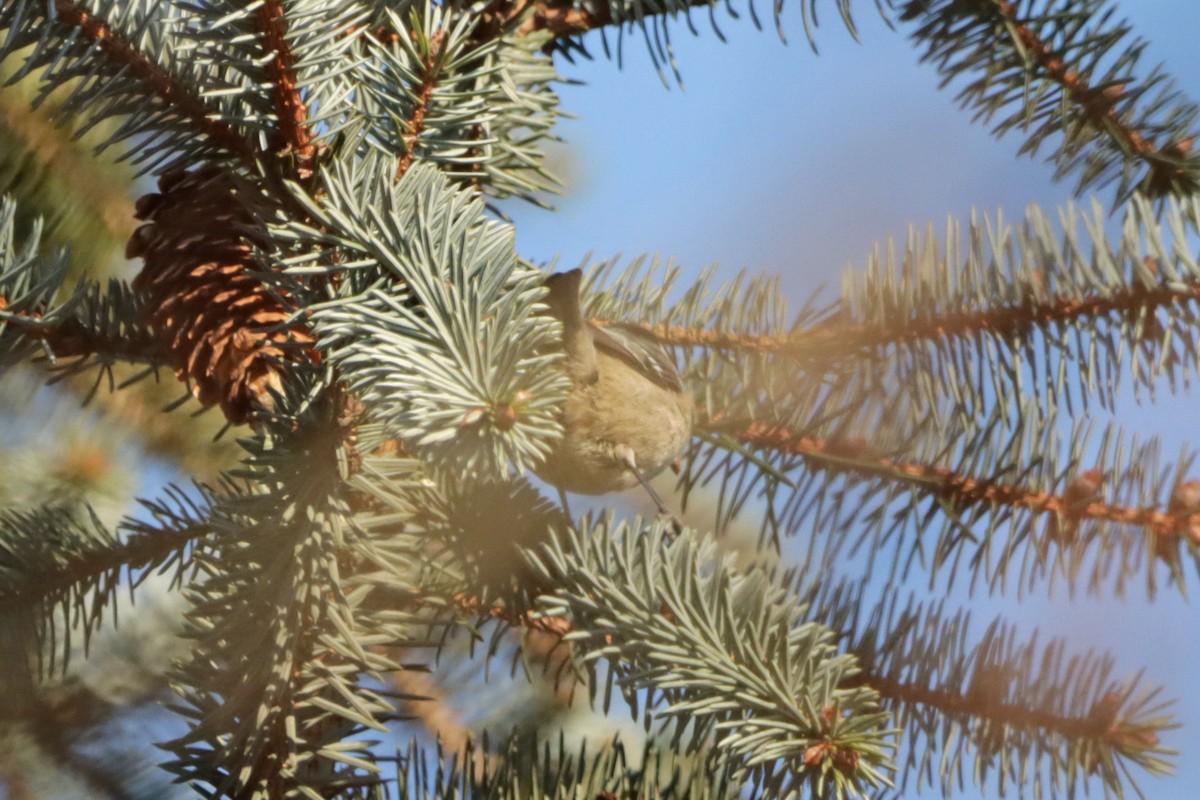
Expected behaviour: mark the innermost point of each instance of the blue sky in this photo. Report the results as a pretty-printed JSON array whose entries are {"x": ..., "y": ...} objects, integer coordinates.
[{"x": 777, "y": 159}]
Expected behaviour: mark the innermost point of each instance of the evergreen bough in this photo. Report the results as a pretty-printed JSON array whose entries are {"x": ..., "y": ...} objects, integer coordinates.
[{"x": 323, "y": 257}]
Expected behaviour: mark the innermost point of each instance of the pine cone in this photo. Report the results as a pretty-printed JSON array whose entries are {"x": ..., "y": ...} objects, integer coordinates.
[{"x": 219, "y": 321}]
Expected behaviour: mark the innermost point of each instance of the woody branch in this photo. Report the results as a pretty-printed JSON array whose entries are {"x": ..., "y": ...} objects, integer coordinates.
[
  {"x": 959, "y": 489},
  {"x": 161, "y": 83},
  {"x": 293, "y": 134},
  {"x": 839, "y": 339}
]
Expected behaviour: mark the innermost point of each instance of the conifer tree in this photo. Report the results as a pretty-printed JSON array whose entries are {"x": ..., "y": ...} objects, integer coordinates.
[{"x": 321, "y": 263}]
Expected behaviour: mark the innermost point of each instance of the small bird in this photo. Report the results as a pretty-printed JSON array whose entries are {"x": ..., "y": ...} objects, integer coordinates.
[{"x": 627, "y": 415}]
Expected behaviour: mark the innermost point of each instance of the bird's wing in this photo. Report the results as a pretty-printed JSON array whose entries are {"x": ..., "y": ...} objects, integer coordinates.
[{"x": 639, "y": 351}]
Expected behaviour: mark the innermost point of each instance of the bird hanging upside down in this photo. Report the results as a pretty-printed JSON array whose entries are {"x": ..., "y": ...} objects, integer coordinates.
[{"x": 627, "y": 415}]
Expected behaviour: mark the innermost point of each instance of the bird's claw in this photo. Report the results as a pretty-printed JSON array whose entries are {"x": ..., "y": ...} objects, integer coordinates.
[{"x": 673, "y": 524}]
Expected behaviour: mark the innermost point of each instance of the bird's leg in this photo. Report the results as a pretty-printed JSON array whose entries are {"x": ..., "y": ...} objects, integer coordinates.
[
  {"x": 664, "y": 513},
  {"x": 566, "y": 507}
]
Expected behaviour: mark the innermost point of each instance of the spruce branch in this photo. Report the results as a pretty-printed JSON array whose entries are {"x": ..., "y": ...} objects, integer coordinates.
[
  {"x": 27, "y": 576},
  {"x": 294, "y": 134},
  {"x": 955, "y": 488},
  {"x": 479, "y": 106},
  {"x": 967, "y": 323},
  {"x": 427, "y": 81},
  {"x": 835, "y": 339},
  {"x": 472, "y": 607},
  {"x": 1052, "y": 64},
  {"x": 1098, "y": 104},
  {"x": 93, "y": 326},
  {"x": 59, "y": 558},
  {"x": 1030, "y": 716},
  {"x": 1099, "y": 724},
  {"x": 457, "y": 359},
  {"x": 472, "y": 571},
  {"x": 337, "y": 594},
  {"x": 720, "y": 655},
  {"x": 67, "y": 339},
  {"x": 139, "y": 553},
  {"x": 171, "y": 91},
  {"x": 886, "y": 650},
  {"x": 1056, "y": 311},
  {"x": 567, "y": 22},
  {"x": 1021, "y": 701},
  {"x": 271, "y": 66},
  {"x": 284, "y": 720},
  {"x": 999, "y": 503},
  {"x": 527, "y": 17},
  {"x": 555, "y": 627}
]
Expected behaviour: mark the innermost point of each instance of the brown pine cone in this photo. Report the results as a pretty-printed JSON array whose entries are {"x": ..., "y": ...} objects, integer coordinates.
[{"x": 219, "y": 321}]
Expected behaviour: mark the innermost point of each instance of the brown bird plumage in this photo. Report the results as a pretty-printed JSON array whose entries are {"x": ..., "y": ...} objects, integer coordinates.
[{"x": 628, "y": 415}]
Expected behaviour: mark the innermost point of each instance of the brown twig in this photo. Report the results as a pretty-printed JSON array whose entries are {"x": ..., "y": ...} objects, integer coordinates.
[
  {"x": 68, "y": 339},
  {"x": 164, "y": 85},
  {"x": 834, "y": 339},
  {"x": 136, "y": 552},
  {"x": 959, "y": 489},
  {"x": 294, "y": 134},
  {"x": 416, "y": 125},
  {"x": 1099, "y": 104},
  {"x": 471, "y": 605},
  {"x": 682, "y": 336},
  {"x": 1099, "y": 723},
  {"x": 543, "y": 642},
  {"x": 429, "y": 82},
  {"x": 525, "y": 17},
  {"x": 561, "y": 22}
]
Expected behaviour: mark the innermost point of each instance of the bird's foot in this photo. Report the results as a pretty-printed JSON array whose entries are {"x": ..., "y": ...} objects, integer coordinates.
[{"x": 673, "y": 524}]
